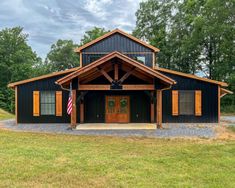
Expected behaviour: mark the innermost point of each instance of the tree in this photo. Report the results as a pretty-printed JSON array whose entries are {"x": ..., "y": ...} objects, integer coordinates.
[
  {"x": 62, "y": 56},
  {"x": 193, "y": 36},
  {"x": 92, "y": 35},
  {"x": 17, "y": 60}
]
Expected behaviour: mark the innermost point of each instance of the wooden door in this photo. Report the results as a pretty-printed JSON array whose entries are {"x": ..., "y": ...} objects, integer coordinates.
[{"x": 117, "y": 109}]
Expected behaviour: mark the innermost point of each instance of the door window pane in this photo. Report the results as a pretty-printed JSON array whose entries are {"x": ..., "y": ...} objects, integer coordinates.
[
  {"x": 123, "y": 105},
  {"x": 111, "y": 105}
]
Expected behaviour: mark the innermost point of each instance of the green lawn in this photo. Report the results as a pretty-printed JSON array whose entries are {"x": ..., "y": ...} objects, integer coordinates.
[
  {"x": 5, "y": 115},
  {"x": 47, "y": 160}
]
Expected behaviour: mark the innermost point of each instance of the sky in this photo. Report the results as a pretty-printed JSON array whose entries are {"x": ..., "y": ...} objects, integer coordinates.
[{"x": 46, "y": 21}]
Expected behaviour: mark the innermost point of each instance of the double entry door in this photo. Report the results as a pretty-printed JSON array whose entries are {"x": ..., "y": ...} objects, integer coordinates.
[{"x": 117, "y": 109}]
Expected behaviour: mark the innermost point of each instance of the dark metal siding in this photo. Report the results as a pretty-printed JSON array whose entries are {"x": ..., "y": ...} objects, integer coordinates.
[
  {"x": 117, "y": 42},
  {"x": 95, "y": 106},
  {"x": 209, "y": 101},
  {"x": 25, "y": 102}
]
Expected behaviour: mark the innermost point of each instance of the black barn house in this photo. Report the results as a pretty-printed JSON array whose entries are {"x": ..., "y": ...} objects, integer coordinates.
[{"x": 119, "y": 81}]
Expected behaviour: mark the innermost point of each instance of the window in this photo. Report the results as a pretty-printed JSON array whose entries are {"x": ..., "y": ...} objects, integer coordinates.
[
  {"x": 94, "y": 57},
  {"x": 141, "y": 59},
  {"x": 47, "y": 102},
  {"x": 186, "y": 102}
]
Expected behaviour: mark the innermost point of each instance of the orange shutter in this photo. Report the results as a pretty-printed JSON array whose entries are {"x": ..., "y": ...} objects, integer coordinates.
[
  {"x": 175, "y": 103},
  {"x": 36, "y": 103},
  {"x": 198, "y": 103},
  {"x": 58, "y": 103}
]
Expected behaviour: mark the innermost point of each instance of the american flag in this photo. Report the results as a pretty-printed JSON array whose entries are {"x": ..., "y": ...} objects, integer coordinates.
[{"x": 70, "y": 101}]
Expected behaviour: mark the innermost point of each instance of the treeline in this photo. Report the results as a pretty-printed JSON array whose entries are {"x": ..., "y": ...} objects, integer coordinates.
[
  {"x": 19, "y": 62},
  {"x": 194, "y": 36}
]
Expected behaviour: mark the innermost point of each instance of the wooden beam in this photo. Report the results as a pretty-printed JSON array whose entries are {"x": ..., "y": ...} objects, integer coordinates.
[
  {"x": 154, "y": 60},
  {"x": 16, "y": 104},
  {"x": 74, "y": 110},
  {"x": 88, "y": 87},
  {"x": 152, "y": 107},
  {"x": 159, "y": 109},
  {"x": 80, "y": 59},
  {"x": 138, "y": 87},
  {"x": 81, "y": 111},
  {"x": 116, "y": 72},
  {"x": 218, "y": 104},
  {"x": 125, "y": 76},
  {"x": 106, "y": 75}
]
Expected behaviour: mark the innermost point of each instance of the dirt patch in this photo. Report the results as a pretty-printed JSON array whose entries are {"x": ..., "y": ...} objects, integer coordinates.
[{"x": 223, "y": 132}]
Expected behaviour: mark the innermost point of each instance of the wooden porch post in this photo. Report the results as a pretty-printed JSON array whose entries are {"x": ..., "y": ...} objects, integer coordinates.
[
  {"x": 152, "y": 107},
  {"x": 74, "y": 109},
  {"x": 218, "y": 104},
  {"x": 159, "y": 109},
  {"x": 81, "y": 111}
]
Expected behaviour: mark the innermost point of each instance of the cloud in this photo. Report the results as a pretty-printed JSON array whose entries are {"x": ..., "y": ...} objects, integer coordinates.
[{"x": 47, "y": 21}]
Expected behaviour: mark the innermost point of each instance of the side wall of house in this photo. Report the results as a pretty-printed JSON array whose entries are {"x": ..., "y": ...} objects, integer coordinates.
[
  {"x": 25, "y": 102},
  {"x": 117, "y": 42},
  {"x": 209, "y": 101}
]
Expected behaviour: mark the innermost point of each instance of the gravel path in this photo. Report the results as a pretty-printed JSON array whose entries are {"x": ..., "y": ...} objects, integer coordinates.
[
  {"x": 170, "y": 130},
  {"x": 230, "y": 119}
]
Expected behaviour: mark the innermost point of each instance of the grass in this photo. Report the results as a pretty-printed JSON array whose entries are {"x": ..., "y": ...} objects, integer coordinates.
[
  {"x": 5, "y": 115},
  {"x": 48, "y": 160}
]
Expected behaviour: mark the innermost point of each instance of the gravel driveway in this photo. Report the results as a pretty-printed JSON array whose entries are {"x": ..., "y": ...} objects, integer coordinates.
[{"x": 170, "y": 130}]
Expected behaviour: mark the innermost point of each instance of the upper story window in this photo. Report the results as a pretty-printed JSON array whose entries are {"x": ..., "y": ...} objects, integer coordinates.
[
  {"x": 94, "y": 57},
  {"x": 186, "y": 102},
  {"x": 47, "y": 102},
  {"x": 140, "y": 59}
]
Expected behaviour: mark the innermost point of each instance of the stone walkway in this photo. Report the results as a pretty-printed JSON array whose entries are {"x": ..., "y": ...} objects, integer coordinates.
[{"x": 170, "y": 130}]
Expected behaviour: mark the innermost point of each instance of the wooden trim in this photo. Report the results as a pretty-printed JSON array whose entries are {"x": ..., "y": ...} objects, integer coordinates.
[
  {"x": 154, "y": 60},
  {"x": 198, "y": 103},
  {"x": 175, "y": 102},
  {"x": 113, "y": 32},
  {"x": 106, "y": 75},
  {"x": 152, "y": 107},
  {"x": 159, "y": 109},
  {"x": 36, "y": 103},
  {"x": 12, "y": 85},
  {"x": 219, "y": 104},
  {"x": 116, "y": 72},
  {"x": 122, "y": 57},
  {"x": 80, "y": 58},
  {"x": 74, "y": 109},
  {"x": 191, "y": 76},
  {"x": 81, "y": 112},
  {"x": 93, "y": 87},
  {"x": 87, "y": 87},
  {"x": 126, "y": 75},
  {"x": 59, "y": 103},
  {"x": 90, "y": 53},
  {"x": 224, "y": 92},
  {"x": 138, "y": 87},
  {"x": 16, "y": 104}
]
